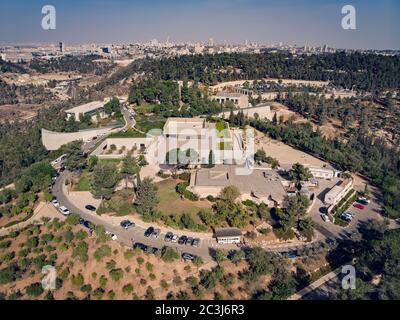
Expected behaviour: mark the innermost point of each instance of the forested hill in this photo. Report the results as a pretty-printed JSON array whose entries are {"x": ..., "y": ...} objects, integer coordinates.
[
  {"x": 11, "y": 67},
  {"x": 368, "y": 72}
]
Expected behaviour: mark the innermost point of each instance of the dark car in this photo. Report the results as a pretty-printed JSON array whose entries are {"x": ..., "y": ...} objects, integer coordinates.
[
  {"x": 90, "y": 207},
  {"x": 188, "y": 256},
  {"x": 196, "y": 242},
  {"x": 189, "y": 241},
  {"x": 291, "y": 254},
  {"x": 139, "y": 245},
  {"x": 88, "y": 224},
  {"x": 126, "y": 224},
  {"x": 182, "y": 240},
  {"x": 155, "y": 250},
  {"x": 149, "y": 232},
  {"x": 362, "y": 201},
  {"x": 81, "y": 221},
  {"x": 168, "y": 236}
]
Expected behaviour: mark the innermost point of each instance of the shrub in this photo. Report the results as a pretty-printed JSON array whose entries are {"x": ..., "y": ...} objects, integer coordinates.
[{"x": 35, "y": 289}]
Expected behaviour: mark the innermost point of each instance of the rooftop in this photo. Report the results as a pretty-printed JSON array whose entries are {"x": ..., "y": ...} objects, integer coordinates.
[
  {"x": 186, "y": 125},
  {"x": 229, "y": 94},
  {"x": 227, "y": 232},
  {"x": 87, "y": 107},
  {"x": 260, "y": 183}
]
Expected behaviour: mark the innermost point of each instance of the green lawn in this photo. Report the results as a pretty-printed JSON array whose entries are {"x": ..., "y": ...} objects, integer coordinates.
[
  {"x": 83, "y": 183},
  {"x": 113, "y": 161},
  {"x": 131, "y": 133},
  {"x": 171, "y": 202}
]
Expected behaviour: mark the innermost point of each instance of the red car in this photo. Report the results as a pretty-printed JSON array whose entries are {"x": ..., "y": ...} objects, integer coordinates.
[{"x": 358, "y": 206}]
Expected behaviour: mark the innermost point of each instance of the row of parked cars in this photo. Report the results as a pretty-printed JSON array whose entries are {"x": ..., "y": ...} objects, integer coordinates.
[
  {"x": 170, "y": 237},
  {"x": 360, "y": 203},
  {"x": 145, "y": 248}
]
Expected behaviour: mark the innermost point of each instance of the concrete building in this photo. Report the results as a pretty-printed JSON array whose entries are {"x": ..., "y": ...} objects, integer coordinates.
[
  {"x": 258, "y": 185},
  {"x": 324, "y": 173},
  {"x": 91, "y": 108},
  {"x": 240, "y": 100},
  {"x": 228, "y": 235},
  {"x": 338, "y": 192}
]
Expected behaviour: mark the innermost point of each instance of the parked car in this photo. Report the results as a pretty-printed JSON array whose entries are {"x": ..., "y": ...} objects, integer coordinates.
[
  {"x": 81, "y": 221},
  {"x": 189, "y": 241},
  {"x": 126, "y": 224},
  {"x": 64, "y": 210},
  {"x": 55, "y": 203},
  {"x": 90, "y": 207},
  {"x": 291, "y": 254},
  {"x": 363, "y": 201},
  {"x": 113, "y": 236},
  {"x": 149, "y": 232},
  {"x": 325, "y": 217},
  {"x": 196, "y": 242},
  {"x": 155, "y": 250},
  {"x": 182, "y": 240},
  {"x": 358, "y": 206},
  {"x": 140, "y": 246},
  {"x": 188, "y": 256},
  {"x": 346, "y": 217},
  {"x": 156, "y": 233},
  {"x": 175, "y": 238},
  {"x": 88, "y": 224},
  {"x": 168, "y": 236}
]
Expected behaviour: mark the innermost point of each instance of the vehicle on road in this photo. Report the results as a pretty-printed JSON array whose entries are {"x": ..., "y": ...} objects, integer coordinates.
[
  {"x": 90, "y": 207},
  {"x": 325, "y": 217},
  {"x": 156, "y": 233},
  {"x": 149, "y": 232},
  {"x": 196, "y": 242},
  {"x": 188, "y": 256},
  {"x": 126, "y": 224},
  {"x": 168, "y": 236},
  {"x": 64, "y": 210},
  {"x": 55, "y": 203},
  {"x": 175, "y": 238},
  {"x": 189, "y": 241},
  {"x": 358, "y": 206}
]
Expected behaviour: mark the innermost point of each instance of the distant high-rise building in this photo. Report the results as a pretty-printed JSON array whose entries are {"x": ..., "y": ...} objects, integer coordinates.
[
  {"x": 62, "y": 47},
  {"x": 211, "y": 42}
]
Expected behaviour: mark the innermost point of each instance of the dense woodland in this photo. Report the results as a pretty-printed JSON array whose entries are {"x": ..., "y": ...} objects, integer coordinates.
[
  {"x": 361, "y": 71},
  {"x": 81, "y": 64},
  {"x": 29, "y": 94}
]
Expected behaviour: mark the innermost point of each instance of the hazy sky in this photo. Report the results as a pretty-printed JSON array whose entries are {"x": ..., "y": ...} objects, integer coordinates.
[{"x": 299, "y": 22}]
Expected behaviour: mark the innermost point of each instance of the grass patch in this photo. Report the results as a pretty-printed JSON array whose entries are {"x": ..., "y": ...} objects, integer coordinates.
[
  {"x": 115, "y": 162},
  {"x": 131, "y": 133},
  {"x": 172, "y": 203},
  {"x": 225, "y": 145},
  {"x": 83, "y": 183}
]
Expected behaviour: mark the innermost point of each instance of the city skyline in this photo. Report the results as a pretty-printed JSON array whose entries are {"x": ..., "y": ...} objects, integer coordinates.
[{"x": 311, "y": 23}]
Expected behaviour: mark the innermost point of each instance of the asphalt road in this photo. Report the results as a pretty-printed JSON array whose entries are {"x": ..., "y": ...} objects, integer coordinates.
[{"x": 134, "y": 234}]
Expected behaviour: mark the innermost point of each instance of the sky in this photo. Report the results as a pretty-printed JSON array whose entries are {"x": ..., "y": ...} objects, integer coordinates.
[{"x": 301, "y": 22}]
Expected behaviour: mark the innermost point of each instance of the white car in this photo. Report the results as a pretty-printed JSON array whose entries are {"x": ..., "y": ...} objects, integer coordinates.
[
  {"x": 64, "y": 210},
  {"x": 113, "y": 236},
  {"x": 175, "y": 238},
  {"x": 55, "y": 203},
  {"x": 325, "y": 217}
]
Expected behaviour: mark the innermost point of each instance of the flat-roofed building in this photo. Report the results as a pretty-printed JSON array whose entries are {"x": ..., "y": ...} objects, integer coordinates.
[
  {"x": 256, "y": 184},
  {"x": 240, "y": 100},
  {"x": 228, "y": 235},
  {"x": 323, "y": 173},
  {"x": 91, "y": 108},
  {"x": 338, "y": 192}
]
